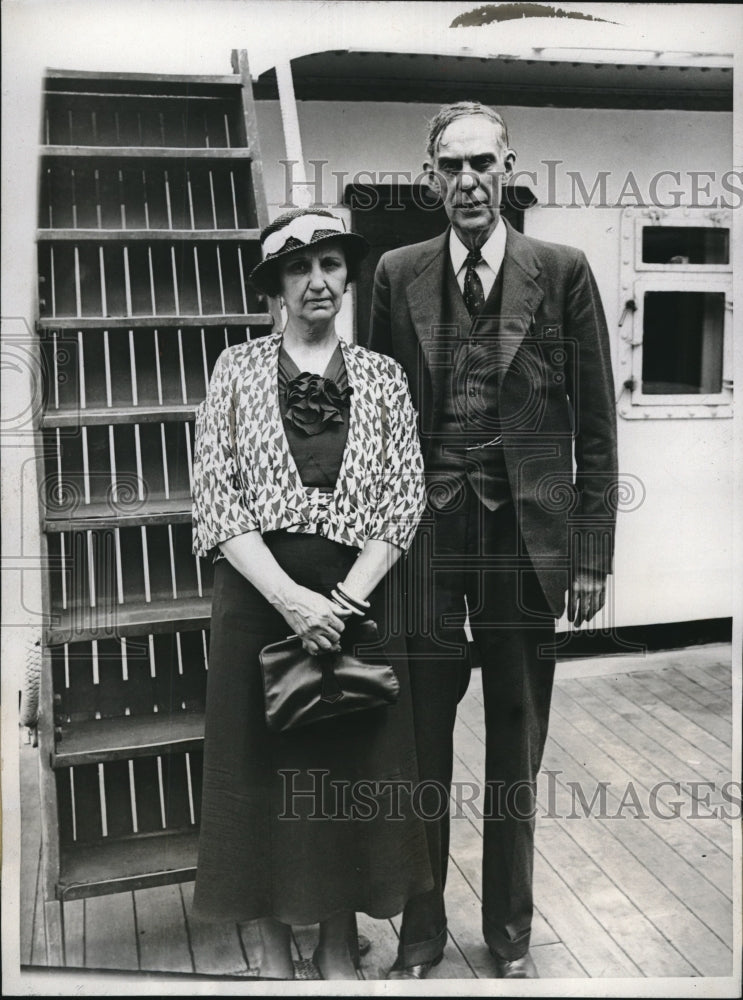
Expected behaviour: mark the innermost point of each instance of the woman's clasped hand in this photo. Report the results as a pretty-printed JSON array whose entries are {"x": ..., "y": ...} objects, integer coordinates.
[{"x": 318, "y": 621}]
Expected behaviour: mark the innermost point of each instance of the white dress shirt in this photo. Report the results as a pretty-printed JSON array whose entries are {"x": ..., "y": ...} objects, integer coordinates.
[{"x": 492, "y": 252}]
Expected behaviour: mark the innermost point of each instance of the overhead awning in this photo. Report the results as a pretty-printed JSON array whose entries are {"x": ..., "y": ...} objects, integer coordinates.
[{"x": 354, "y": 75}]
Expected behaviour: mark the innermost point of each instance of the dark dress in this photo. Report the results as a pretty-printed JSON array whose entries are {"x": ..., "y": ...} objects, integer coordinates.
[{"x": 266, "y": 849}]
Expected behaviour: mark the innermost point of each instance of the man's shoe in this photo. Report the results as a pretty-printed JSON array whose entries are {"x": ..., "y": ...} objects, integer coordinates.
[
  {"x": 516, "y": 968},
  {"x": 419, "y": 971}
]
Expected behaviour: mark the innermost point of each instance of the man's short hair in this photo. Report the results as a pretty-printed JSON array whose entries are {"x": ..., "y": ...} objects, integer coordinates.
[{"x": 462, "y": 109}]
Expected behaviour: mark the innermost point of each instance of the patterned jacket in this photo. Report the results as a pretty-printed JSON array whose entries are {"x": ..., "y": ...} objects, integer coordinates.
[{"x": 245, "y": 478}]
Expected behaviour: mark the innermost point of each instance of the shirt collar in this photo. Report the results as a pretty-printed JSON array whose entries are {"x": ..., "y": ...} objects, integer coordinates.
[{"x": 492, "y": 251}]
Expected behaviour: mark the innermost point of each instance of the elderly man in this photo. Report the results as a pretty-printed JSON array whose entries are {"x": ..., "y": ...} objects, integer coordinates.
[{"x": 505, "y": 347}]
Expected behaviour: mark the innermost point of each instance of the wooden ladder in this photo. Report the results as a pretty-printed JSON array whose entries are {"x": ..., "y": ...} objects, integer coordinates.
[{"x": 151, "y": 205}]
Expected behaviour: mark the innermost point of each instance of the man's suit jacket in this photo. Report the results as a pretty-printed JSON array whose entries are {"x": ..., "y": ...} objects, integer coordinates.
[{"x": 555, "y": 391}]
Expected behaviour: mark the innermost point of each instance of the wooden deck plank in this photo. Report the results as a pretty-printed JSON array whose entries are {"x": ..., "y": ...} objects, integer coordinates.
[
  {"x": 251, "y": 942},
  {"x": 74, "y": 933},
  {"x": 30, "y": 896},
  {"x": 161, "y": 930},
  {"x": 647, "y": 837},
  {"x": 691, "y": 838},
  {"x": 672, "y": 732},
  {"x": 110, "y": 932},
  {"x": 696, "y": 939},
  {"x": 716, "y": 674},
  {"x": 28, "y": 763},
  {"x": 305, "y": 940},
  {"x": 554, "y": 961},
  {"x": 709, "y": 720},
  {"x": 577, "y": 927},
  {"x": 39, "y": 954},
  {"x": 619, "y": 915},
  {"x": 621, "y": 716},
  {"x": 670, "y": 764},
  {"x": 216, "y": 948},
  {"x": 718, "y": 700},
  {"x": 464, "y": 915},
  {"x": 566, "y": 913},
  {"x": 703, "y": 949},
  {"x": 383, "y": 952},
  {"x": 617, "y": 693}
]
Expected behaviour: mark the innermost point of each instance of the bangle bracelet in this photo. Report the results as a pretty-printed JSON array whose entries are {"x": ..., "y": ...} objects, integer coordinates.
[
  {"x": 339, "y": 599},
  {"x": 362, "y": 606}
]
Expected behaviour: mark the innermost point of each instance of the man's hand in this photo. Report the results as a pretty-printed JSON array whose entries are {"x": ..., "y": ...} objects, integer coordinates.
[{"x": 586, "y": 596}]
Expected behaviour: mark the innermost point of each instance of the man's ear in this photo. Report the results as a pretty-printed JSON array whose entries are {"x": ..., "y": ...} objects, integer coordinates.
[
  {"x": 431, "y": 178},
  {"x": 509, "y": 160}
]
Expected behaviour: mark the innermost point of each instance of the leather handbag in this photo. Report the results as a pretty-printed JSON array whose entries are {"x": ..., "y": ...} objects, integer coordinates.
[{"x": 301, "y": 688}]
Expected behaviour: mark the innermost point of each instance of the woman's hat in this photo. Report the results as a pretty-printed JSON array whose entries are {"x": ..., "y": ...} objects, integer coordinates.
[{"x": 295, "y": 230}]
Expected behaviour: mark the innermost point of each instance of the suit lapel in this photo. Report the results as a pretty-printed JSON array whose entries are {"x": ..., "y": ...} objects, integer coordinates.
[
  {"x": 424, "y": 295},
  {"x": 521, "y": 297}
]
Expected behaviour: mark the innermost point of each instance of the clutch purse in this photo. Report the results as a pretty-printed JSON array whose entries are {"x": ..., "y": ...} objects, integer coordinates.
[{"x": 301, "y": 689}]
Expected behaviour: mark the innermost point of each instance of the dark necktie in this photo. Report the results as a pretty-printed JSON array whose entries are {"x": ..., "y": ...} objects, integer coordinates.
[{"x": 474, "y": 297}]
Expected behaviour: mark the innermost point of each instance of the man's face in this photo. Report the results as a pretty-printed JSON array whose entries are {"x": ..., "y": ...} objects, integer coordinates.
[{"x": 469, "y": 164}]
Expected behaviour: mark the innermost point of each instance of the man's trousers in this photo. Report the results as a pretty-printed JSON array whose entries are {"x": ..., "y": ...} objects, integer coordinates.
[{"x": 468, "y": 553}]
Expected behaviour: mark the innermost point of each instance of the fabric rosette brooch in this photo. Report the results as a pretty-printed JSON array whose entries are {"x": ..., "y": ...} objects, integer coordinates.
[{"x": 313, "y": 402}]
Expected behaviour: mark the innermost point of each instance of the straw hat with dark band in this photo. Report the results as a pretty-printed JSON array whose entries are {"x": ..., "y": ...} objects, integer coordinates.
[{"x": 295, "y": 230}]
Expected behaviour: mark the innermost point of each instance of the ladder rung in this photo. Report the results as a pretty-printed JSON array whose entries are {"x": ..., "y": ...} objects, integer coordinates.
[
  {"x": 104, "y": 415},
  {"x": 72, "y": 76},
  {"x": 126, "y": 864},
  {"x": 147, "y": 153},
  {"x": 100, "y": 740},
  {"x": 158, "y": 322},
  {"x": 83, "y": 624},
  {"x": 92, "y": 516},
  {"x": 149, "y": 235}
]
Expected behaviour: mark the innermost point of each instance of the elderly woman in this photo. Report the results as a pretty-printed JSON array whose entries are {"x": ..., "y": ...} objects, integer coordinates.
[{"x": 308, "y": 486}]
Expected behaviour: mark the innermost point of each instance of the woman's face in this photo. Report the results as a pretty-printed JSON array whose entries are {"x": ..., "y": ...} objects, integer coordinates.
[{"x": 313, "y": 282}]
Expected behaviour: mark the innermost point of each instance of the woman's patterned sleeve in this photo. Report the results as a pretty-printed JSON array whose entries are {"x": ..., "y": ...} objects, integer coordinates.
[
  {"x": 402, "y": 494},
  {"x": 222, "y": 506}
]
